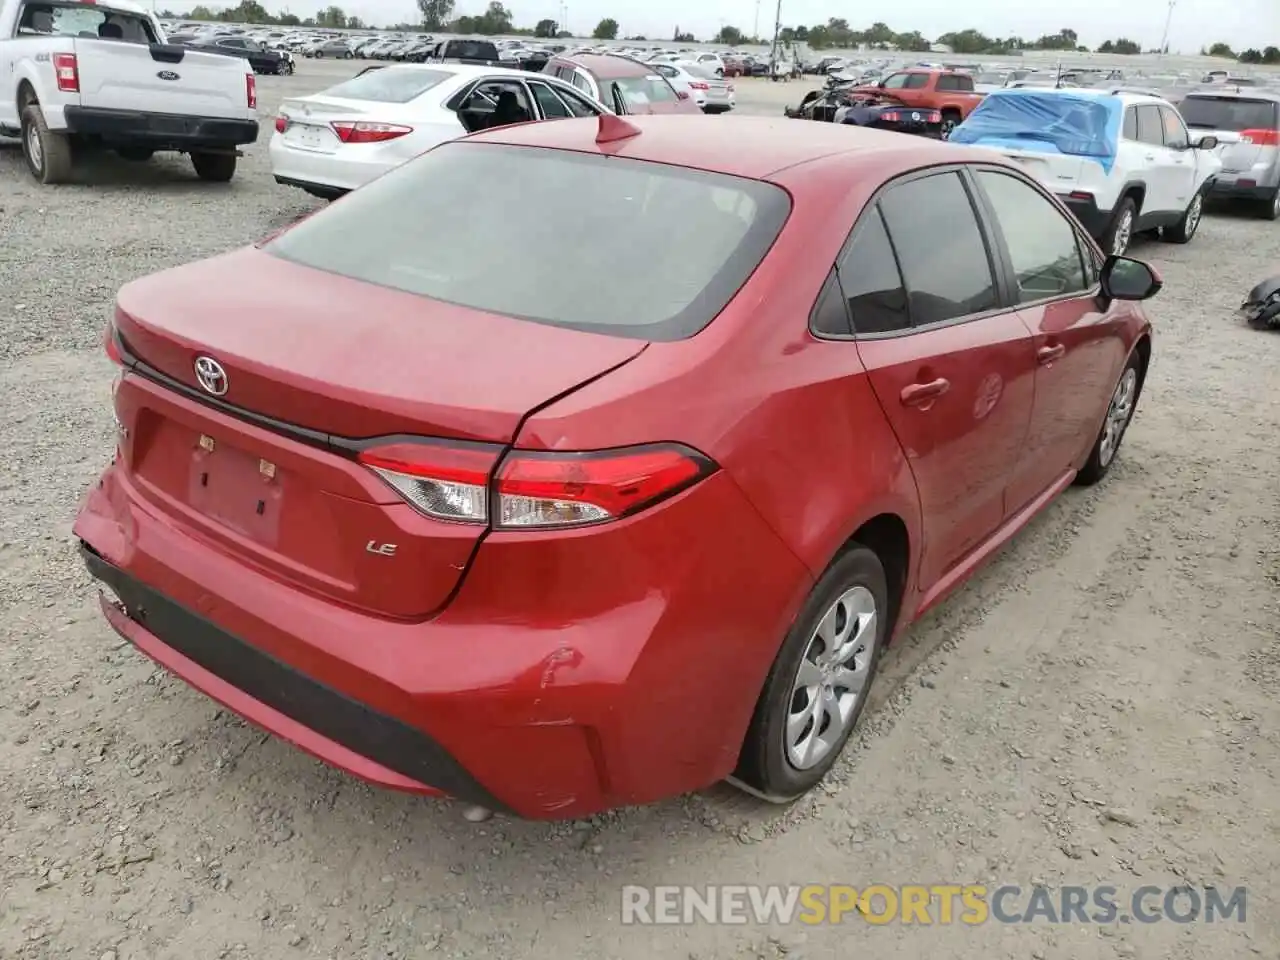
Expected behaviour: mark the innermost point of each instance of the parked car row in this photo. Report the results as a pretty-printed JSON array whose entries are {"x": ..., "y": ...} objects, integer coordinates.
[{"x": 341, "y": 138}]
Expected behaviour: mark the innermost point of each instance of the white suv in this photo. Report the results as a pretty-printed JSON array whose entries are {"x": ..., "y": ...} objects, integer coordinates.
[{"x": 1123, "y": 163}]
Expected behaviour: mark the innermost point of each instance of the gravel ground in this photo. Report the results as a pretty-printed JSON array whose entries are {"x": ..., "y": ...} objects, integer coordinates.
[{"x": 1100, "y": 705}]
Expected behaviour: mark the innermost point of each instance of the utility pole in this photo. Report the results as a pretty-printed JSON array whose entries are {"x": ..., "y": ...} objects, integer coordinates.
[
  {"x": 777, "y": 29},
  {"x": 755, "y": 30},
  {"x": 1164, "y": 41}
]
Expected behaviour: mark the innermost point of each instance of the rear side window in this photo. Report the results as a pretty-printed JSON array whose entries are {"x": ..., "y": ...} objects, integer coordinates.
[
  {"x": 655, "y": 252},
  {"x": 955, "y": 81},
  {"x": 870, "y": 279},
  {"x": 1150, "y": 127},
  {"x": 1230, "y": 113},
  {"x": 642, "y": 91},
  {"x": 84, "y": 20},
  {"x": 389, "y": 85},
  {"x": 947, "y": 272}
]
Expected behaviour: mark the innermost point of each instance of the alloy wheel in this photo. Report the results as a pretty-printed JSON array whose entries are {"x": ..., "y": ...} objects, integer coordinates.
[
  {"x": 1118, "y": 415},
  {"x": 1124, "y": 234},
  {"x": 831, "y": 678},
  {"x": 35, "y": 151},
  {"x": 1194, "y": 213}
]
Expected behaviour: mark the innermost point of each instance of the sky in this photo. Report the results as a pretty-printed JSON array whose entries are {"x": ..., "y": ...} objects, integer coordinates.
[{"x": 1241, "y": 23}]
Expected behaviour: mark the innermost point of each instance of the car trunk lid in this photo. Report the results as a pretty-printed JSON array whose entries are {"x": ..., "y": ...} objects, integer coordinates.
[
  {"x": 1061, "y": 173},
  {"x": 310, "y": 121},
  {"x": 312, "y": 362}
]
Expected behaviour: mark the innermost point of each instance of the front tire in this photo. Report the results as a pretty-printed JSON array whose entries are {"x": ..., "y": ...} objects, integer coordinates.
[
  {"x": 214, "y": 167},
  {"x": 1124, "y": 401},
  {"x": 48, "y": 154},
  {"x": 818, "y": 685},
  {"x": 1185, "y": 229},
  {"x": 1120, "y": 233}
]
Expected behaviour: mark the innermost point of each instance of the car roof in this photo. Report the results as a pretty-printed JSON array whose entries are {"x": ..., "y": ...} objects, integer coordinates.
[
  {"x": 1126, "y": 98},
  {"x": 743, "y": 146},
  {"x": 1236, "y": 94},
  {"x": 464, "y": 70},
  {"x": 609, "y": 65}
]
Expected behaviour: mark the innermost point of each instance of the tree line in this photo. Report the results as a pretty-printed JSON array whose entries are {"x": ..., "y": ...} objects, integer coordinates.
[{"x": 835, "y": 34}]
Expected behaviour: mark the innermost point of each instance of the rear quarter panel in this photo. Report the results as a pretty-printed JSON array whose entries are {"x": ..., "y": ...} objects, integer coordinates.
[{"x": 32, "y": 65}]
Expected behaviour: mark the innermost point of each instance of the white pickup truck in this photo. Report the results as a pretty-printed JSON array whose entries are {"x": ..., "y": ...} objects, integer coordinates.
[{"x": 79, "y": 74}]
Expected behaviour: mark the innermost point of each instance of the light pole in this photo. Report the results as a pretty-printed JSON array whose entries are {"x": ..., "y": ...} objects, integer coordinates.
[
  {"x": 1164, "y": 41},
  {"x": 755, "y": 30}
]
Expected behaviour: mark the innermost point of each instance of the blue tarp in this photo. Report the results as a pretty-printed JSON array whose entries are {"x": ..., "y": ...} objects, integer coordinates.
[{"x": 1069, "y": 122}]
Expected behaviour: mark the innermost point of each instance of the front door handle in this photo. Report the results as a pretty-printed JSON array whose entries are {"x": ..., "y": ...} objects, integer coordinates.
[
  {"x": 1046, "y": 355},
  {"x": 921, "y": 394}
]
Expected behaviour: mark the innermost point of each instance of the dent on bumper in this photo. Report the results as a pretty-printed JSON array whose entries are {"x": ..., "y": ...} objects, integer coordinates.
[{"x": 571, "y": 673}]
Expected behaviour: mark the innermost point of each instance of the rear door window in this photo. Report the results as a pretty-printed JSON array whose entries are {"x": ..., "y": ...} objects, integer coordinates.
[
  {"x": 655, "y": 253},
  {"x": 552, "y": 106},
  {"x": 948, "y": 273},
  {"x": 1130, "y": 131},
  {"x": 917, "y": 81},
  {"x": 641, "y": 92}
]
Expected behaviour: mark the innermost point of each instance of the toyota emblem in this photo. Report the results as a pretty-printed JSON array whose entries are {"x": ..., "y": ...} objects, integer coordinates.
[{"x": 210, "y": 375}]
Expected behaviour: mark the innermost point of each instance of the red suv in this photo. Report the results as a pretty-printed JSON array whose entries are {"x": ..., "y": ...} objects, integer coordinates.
[
  {"x": 557, "y": 520},
  {"x": 624, "y": 85}
]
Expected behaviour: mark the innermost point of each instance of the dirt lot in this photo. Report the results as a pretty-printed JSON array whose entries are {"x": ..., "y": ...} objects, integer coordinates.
[{"x": 1100, "y": 706}]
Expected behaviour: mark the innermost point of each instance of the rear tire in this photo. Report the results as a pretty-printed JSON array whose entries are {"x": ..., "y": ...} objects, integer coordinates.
[
  {"x": 214, "y": 167},
  {"x": 1270, "y": 209},
  {"x": 804, "y": 718},
  {"x": 48, "y": 154},
  {"x": 1120, "y": 410},
  {"x": 950, "y": 120}
]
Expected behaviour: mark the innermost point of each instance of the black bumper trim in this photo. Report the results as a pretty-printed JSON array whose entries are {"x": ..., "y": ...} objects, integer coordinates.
[
  {"x": 1233, "y": 191},
  {"x": 354, "y": 725},
  {"x": 321, "y": 190},
  {"x": 163, "y": 130},
  {"x": 1094, "y": 220}
]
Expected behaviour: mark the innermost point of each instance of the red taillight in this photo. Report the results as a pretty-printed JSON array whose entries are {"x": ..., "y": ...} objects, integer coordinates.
[
  {"x": 67, "y": 72},
  {"x": 282, "y": 124},
  {"x": 699, "y": 85},
  {"x": 933, "y": 118},
  {"x": 1261, "y": 137},
  {"x": 891, "y": 117},
  {"x": 111, "y": 343},
  {"x": 1080, "y": 195},
  {"x": 533, "y": 490},
  {"x": 362, "y": 132},
  {"x": 251, "y": 91}
]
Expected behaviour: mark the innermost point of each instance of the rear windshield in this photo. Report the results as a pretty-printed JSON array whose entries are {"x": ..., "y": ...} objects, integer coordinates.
[
  {"x": 84, "y": 20},
  {"x": 388, "y": 85},
  {"x": 642, "y": 91},
  {"x": 1228, "y": 113},
  {"x": 596, "y": 243},
  {"x": 471, "y": 50}
]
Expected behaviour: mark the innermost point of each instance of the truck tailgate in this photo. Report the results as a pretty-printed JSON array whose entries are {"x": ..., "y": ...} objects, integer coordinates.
[{"x": 161, "y": 78}]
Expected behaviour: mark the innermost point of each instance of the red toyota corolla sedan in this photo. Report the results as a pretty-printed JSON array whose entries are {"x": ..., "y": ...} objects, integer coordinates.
[{"x": 580, "y": 464}]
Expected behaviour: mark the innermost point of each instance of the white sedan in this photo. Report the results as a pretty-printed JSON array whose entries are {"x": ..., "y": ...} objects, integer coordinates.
[
  {"x": 341, "y": 138},
  {"x": 696, "y": 82}
]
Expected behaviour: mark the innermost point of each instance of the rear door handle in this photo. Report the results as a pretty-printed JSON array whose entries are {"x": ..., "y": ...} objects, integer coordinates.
[
  {"x": 919, "y": 394},
  {"x": 1047, "y": 355}
]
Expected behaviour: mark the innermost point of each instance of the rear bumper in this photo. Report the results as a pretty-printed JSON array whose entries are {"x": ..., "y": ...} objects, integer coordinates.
[
  {"x": 1244, "y": 189},
  {"x": 159, "y": 130},
  {"x": 1094, "y": 219},
  {"x": 329, "y": 173},
  {"x": 570, "y": 673}
]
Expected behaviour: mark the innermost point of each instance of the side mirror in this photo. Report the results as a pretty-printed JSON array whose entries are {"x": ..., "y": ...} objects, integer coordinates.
[
  {"x": 1207, "y": 143},
  {"x": 1126, "y": 279}
]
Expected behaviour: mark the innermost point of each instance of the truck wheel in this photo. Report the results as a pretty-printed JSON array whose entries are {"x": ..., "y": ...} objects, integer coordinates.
[
  {"x": 1185, "y": 229},
  {"x": 318, "y": 55},
  {"x": 48, "y": 154},
  {"x": 950, "y": 120},
  {"x": 1270, "y": 209},
  {"x": 1120, "y": 232},
  {"x": 135, "y": 154},
  {"x": 214, "y": 167}
]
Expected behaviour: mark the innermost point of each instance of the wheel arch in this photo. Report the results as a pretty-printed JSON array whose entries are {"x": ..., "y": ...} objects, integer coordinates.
[
  {"x": 888, "y": 537},
  {"x": 26, "y": 94},
  {"x": 1142, "y": 350},
  {"x": 1136, "y": 190}
]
